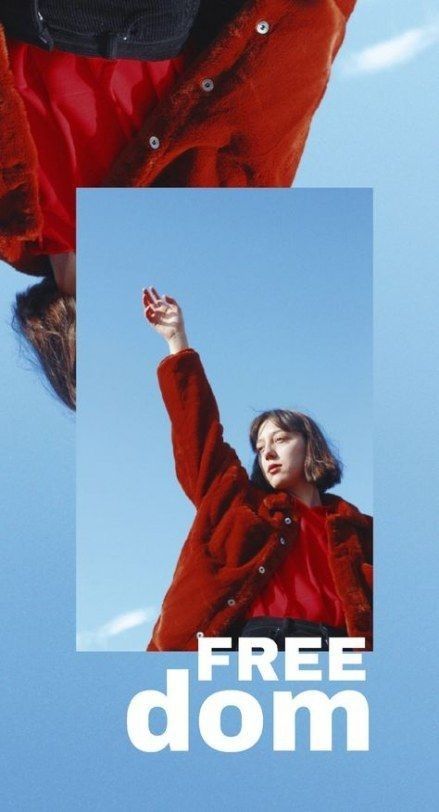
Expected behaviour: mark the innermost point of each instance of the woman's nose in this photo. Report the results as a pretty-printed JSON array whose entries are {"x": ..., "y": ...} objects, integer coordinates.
[{"x": 270, "y": 453}]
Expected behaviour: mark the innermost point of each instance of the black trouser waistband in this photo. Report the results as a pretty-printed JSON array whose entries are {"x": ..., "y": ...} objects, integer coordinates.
[
  {"x": 109, "y": 46},
  {"x": 158, "y": 32},
  {"x": 278, "y": 628}
]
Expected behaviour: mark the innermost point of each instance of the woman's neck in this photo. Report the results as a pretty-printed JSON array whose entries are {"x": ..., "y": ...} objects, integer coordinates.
[
  {"x": 64, "y": 272},
  {"x": 307, "y": 493}
]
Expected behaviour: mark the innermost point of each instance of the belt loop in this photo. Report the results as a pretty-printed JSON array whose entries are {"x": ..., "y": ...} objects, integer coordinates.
[
  {"x": 281, "y": 633},
  {"x": 45, "y": 37},
  {"x": 44, "y": 34},
  {"x": 324, "y": 632},
  {"x": 111, "y": 46}
]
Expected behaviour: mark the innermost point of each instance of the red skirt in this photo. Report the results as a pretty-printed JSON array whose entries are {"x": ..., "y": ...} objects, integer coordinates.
[{"x": 82, "y": 111}]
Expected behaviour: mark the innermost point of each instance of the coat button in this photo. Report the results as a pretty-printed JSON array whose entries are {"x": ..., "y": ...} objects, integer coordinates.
[
  {"x": 231, "y": 601},
  {"x": 288, "y": 520},
  {"x": 262, "y": 27},
  {"x": 282, "y": 540},
  {"x": 200, "y": 634},
  {"x": 207, "y": 85},
  {"x": 262, "y": 570},
  {"x": 154, "y": 142}
]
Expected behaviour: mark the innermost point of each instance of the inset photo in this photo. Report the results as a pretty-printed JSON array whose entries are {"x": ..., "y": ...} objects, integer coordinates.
[{"x": 224, "y": 446}]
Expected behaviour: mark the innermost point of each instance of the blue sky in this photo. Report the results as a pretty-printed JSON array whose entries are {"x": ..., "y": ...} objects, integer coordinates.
[
  {"x": 374, "y": 128},
  {"x": 277, "y": 294}
]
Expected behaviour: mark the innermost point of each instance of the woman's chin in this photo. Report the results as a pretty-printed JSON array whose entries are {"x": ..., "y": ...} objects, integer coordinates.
[{"x": 280, "y": 483}]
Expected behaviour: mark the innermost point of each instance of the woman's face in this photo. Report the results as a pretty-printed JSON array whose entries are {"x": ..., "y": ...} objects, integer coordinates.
[{"x": 281, "y": 456}]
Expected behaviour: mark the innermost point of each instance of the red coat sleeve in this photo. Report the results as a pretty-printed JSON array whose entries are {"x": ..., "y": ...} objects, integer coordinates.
[
  {"x": 201, "y": 455},
  {"x": 20, "y": 213}
]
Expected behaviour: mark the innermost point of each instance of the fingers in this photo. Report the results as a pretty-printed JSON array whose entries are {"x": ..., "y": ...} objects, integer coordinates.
[
  {"x": 150, "y": 315},
  {"x": 170, "y": 300},
  {"x": 152, "y": 298},
  {"x": 148, "y": 296},
  {"x": 159, "y": 310},
  {"x": 158, "y": 319}
]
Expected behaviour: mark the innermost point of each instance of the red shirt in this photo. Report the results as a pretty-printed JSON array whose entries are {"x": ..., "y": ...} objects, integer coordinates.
[
  {"x": 82, "y": 111},
  {"x": 302, "y": 587}
]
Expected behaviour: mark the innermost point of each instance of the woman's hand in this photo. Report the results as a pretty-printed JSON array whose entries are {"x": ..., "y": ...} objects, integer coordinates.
[{"x": 164, "y": 314}]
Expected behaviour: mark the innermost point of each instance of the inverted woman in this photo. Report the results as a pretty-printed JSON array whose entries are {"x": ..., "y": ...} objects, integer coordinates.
[
  {"x": 206, "y": 93},
  {"x": 271, "y": 554}
]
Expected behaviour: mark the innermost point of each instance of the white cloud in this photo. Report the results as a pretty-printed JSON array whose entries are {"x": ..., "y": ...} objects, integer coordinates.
[
  {"x": 393, "y": 52},
  {"x": 97, "y": 639}
]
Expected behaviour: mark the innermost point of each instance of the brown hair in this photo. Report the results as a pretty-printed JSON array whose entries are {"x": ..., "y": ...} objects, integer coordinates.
[
  {"x": 322, "y": 466},
  {"x": 46, "y": 318}
]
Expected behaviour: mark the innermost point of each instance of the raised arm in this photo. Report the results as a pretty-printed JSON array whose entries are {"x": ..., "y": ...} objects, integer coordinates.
[{"x": 201, "y": 455}]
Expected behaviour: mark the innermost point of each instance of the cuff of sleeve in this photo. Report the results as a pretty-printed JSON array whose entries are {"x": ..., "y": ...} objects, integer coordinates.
[{"x": 174, "y": 361}]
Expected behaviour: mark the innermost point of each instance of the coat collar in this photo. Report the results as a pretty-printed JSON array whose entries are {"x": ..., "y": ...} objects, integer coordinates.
[{"x": 275, "y": 506}]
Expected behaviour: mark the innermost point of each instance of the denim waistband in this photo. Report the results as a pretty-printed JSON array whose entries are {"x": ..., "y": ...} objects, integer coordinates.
[
  {"x": 279, "y": 628},
  {"x": 157, "y": 31}
]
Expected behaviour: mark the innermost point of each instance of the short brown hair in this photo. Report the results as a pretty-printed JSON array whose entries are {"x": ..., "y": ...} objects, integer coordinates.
[
  {"x": 322, "y": 466},
  {"x": 46, "y": 318}
]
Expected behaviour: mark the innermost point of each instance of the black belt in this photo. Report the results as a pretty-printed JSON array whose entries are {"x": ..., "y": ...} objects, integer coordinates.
[{"x": 278, "y": 628}]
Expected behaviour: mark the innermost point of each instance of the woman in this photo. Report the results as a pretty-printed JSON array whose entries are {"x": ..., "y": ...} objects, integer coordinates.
[
  {"x": 164, "y": 93},
  {"x": 229, "y": 105},
  {"x": 271, "y": 555},
  {"x": 66, "y": 114}
]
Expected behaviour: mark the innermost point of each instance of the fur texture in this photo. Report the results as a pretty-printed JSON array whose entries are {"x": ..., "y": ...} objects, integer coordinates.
[
  {"x": 234, "y": 544},
  {"x": 20, "y": 215},
  {"x": 250, "y": 130}
]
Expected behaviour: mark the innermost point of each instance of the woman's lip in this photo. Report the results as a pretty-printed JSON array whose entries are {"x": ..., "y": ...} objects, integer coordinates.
[{"x": 273, "y": 468}]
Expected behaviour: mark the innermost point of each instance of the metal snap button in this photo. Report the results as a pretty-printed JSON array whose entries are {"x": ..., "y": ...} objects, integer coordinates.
[
  {"x": 262, "y": 27},
  {"x": 262, "y": 570},
  {"x": 282, "y": 540},
  {"x": 207, "y": 85},
  {"x": 200, "y": 634},
  {"x": 288, "y": 520},
  {"x": 154, "y": 142},
  {"x": 231, "y": 601}
]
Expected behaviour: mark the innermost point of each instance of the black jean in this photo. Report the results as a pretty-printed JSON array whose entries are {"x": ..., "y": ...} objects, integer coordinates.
[
  {"x": 279, "y": 628},
  {"x": 135, "y": 29}
]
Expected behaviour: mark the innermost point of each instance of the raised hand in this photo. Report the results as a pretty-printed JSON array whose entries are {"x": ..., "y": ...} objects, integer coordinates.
[{"x": 166, "y": 317}]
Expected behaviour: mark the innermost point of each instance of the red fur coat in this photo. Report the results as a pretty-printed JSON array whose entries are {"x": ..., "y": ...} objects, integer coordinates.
[
  {"x": 246, "y": 126},
  {"x": 235, "y": 545}
]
